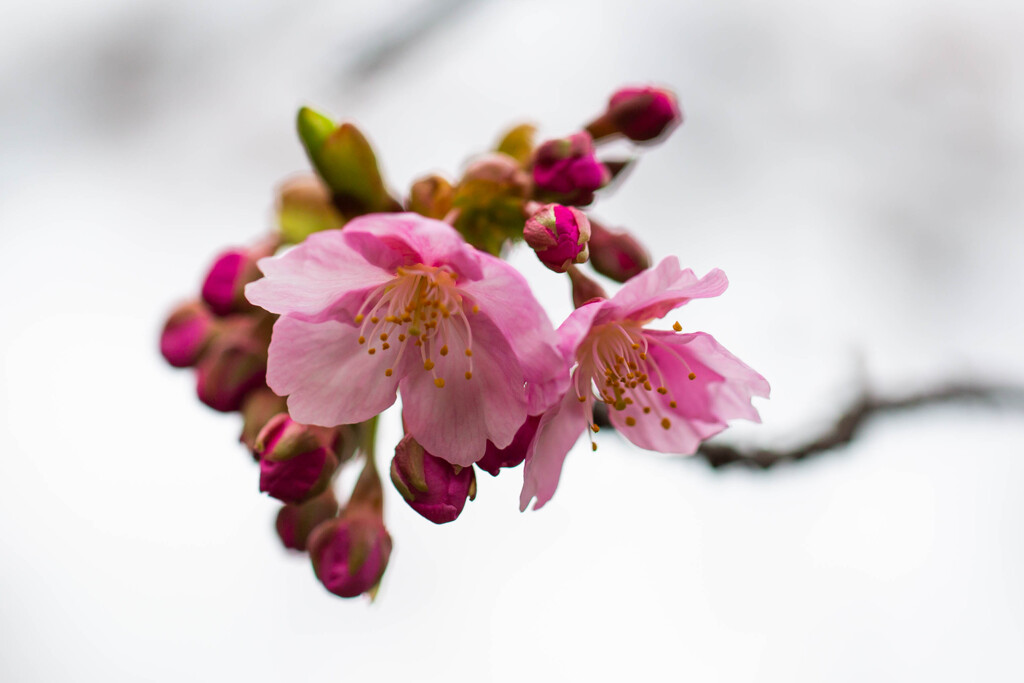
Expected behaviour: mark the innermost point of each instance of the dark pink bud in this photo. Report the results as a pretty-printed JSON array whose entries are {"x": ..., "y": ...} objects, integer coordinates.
[
  {"x": 350, "y": 553},
  {"x": 234, "y": 365},
  {"x": 644, "y": 114},
  {"x": 567, "y": 171},
  {"x": 431, "y": 486},
  {"x": 186, "y": 334},
  {"x": 296, "y": 460},
  {"x": 294, "y": 523},
  {"x": 224, "y": 287},
  {"x": 559, "y": 235},
  {"x": 496, "y": 458},
  {"x": 616, "y": 254}
]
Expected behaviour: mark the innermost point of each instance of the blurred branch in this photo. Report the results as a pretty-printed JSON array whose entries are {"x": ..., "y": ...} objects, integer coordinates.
[{"x": 849, "y": 424}]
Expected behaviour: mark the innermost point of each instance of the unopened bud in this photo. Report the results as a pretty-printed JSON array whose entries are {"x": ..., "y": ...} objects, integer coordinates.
[
  {"x": 431, "y": 197},
  {"x": 304, "y": 207},
  {"x": 296, "y": 460},
  {"x": 497, "y": 458},
  {"x": 350, "y": 553},
  {"x": 345, "y": 160},
  {"x": 224, "y": 286},
  {"x": 234, "y": 365},
  {"x": 642, "y": 114},
  {"x": 294, "y": 523},
  {"x": 584, "y": 289},
  {"x": 257, "y": 409},
  {"x": 616, "y": 254},
  {"x": 488, "y": 202},
  {"x": 518, "y": 142},
  {"x": 433, "y": 487},
  {"x": 559, "y": 235},
  {"x": 567, "y": 171},
  {"x": 186, "y": 334}
]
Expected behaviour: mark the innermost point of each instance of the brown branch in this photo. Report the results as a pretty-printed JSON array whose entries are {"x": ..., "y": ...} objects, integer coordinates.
[
  {"x": 845, "y": 429},
  {"x": 849, "y": 424}
]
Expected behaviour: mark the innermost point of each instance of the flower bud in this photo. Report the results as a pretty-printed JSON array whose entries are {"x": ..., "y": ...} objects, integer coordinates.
[
  {"x": 224, "y": 286},
  {"x": 304, "y": 207},
  {"x": 296, "y": 460},
  {"x": 350, "y": 553},
  {"x": 345, "y": 160},
  {"x": 584, "y": 289},
  {"x": 433, "y": 487},
  {"x": 559, "y": 235},
  {"x": 186, "y": 334},
  {"x": 642, "y": 114},
  {"x": 259, "y": 406},
  {"x": 489, "y": 200},
  {"x": 567, "y": 171},
  {"x": 496, "y": 458},
  {"x": 616, "y": 254},
  {"x": 294, "y": 523},
  {"x": 431, "y": 197},
  {"x": 234, "y": 365}
]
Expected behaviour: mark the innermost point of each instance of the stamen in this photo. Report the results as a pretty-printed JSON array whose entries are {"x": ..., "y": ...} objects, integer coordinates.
[{"x": 439, "y": 383}]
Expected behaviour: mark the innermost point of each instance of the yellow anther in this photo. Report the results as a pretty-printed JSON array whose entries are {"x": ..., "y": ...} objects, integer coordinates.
[
  {"x": 593, "y": 446},
  {"x": 677, "y": 327},
  {"x": 359, "y": 318},
  {"x": 662, "y": 390},
  {"x": 444, "y": 350},
  {"x": 665, "y": 423},
  {"x": 595, "y": 428},
  {"x": 692, "y": 375},
  {"x": 647, "y": 410},
  {"x": 671, "y": 404},
  {"x": 389, "y": 372},
  {"x": 385, "y": 346},
  {"x": 469, "y": 352},
  {"x": 647, "y": 386},
  {"x": 476, "y": 309},
  {"x": 361, "y": 340},
  {"x": 439, "y": 382},
  {"x": 371, "y": 350},
  {"x": 383, "y": 336},
  {"x": 374, "y": 319},
  {"x": 469, "y": 375},
  {"x": 583, "y": 399},
  {"x": 401, "y": 337},
  {"x": 630, "y": 421},
  {"x": 428, "y": 364},
  {"x": 636, "y": 347},
  {"x": 643, "y": 356}
]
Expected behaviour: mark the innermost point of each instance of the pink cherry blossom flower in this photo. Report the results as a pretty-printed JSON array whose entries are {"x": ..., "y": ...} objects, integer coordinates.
[
  {"x": 401, "y": 302},
  {"x": 665, "y": 390}
]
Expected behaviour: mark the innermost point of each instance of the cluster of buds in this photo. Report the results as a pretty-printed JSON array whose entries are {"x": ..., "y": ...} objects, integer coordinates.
[{"x": 380, "y": 296}]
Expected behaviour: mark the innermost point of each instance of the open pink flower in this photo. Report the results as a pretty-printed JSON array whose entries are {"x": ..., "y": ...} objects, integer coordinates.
[
  {"x": 401, "y": 302},
  {"x": 666, "y": 391}
]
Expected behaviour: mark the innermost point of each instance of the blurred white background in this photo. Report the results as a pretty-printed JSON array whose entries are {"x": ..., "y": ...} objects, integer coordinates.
[{"x": 856, "y": 169}]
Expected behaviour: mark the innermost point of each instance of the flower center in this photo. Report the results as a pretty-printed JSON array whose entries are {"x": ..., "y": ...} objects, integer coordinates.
[
  {"x": 614, "y": 366},
  {"x": 420, "y": 307}
]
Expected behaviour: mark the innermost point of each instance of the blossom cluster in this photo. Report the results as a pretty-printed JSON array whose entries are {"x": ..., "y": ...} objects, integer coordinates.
[{"x": 358, "y": 297}]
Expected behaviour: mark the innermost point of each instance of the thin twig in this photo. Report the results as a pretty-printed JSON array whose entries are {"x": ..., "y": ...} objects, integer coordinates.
[{"x": 846, "y": 428}]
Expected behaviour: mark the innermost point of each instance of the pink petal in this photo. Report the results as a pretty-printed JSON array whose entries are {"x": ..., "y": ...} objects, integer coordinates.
[
  {"x": 320, "y": 279},
  {"x": 328, "y": 377},
  {"x": 575, "y": 328},
  {"x": 395, "y": 239},
  {"x": 455, "y": 422},
  {"x": 558, "y": 431},
  {"x": 655, "y": 292},
  {"x": 722, "y": 390},
  {"x": 504, "y": 297}
]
